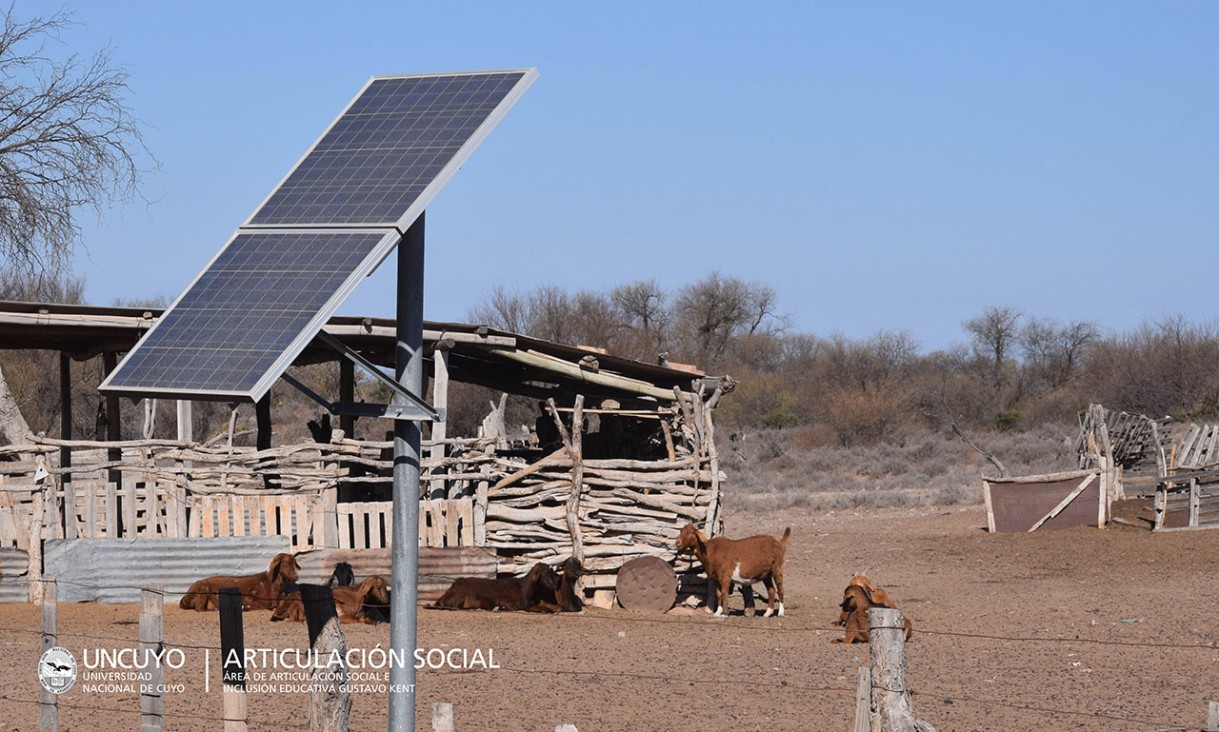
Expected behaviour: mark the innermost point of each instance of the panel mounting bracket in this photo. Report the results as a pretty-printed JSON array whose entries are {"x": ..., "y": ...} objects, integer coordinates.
[{"x": 405, "y": 405}]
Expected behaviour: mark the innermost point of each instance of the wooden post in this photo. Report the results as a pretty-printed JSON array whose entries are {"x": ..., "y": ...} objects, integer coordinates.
[
  {"x": 152, "y": 704},
  {"x": 863, "y": 701},
  {"x": 442, "y": 717},
  {"x": 891, "y": 708},
  {"x": 114, "y": 422},
  {"x": 347, "y": 393},
  {"x": 577, "y": 479},
  {"x": 440, "y": 400},
  {"x": 1195, "y": 502},
  {"x": 329, "y": 698},
  {"x": 262, "y": 420},
  {"x": 48, "y": 718},
  {"x": 65, "y": 431},
  {"x": 232, "y": 648},
  {"x": 34, "y": 546},
  {"x": 1212, "y": 717}
]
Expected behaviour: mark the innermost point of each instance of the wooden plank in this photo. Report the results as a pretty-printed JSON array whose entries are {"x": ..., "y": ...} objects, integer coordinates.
[
  {"x": 207, "y": 528},
  {"x": 330, "y": 518},
  {"x": 127, "y": 489},
  {"x": 452, "y": 519},
  {"x": 344, "y": 526},
  {"x": 224, "y": 512},
  {"x": 303, "y": 523},
  {"x": 376, "y": 523},
  {"x": 359, "y": 535},
  {"x": 1065, "y": 502},
  {"x": 1193, "y": 502},
  {"x": 88, "y": 507},
  {"x": 389, "y": 529},
  {"x": 465, "y": 510},
  {"x": 239, "y": 510},
  {"x": 112, "y": 511}
]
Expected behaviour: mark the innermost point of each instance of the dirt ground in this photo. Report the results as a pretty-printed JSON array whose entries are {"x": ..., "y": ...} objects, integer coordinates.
[{"x": 1081, "y": 629}]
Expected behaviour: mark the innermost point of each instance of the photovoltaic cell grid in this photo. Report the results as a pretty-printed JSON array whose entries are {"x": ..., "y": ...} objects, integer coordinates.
[
  {"x": 234, "y": 323},
  {"x": 268, "y": 293},
  {"x": 385, "y": 150}
]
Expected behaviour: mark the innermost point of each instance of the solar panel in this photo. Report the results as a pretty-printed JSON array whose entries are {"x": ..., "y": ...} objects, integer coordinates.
[
  {"x": 394, "y": 146},
  {"x": 247, "y": 316},
  {"x": 325, "y": 227}
]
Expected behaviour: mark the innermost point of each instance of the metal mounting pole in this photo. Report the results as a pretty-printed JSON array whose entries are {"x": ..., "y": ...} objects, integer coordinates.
[{"x": 408, "y": 369}]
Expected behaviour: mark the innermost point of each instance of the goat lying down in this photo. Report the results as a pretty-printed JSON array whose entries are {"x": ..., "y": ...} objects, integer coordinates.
[
  {"x": 541, "y": 590},
  {"x": 859, "y": 596},
  {"x": 743, "y": 561},
  {"x": 262, "y": 591},
  {"x": 364, "y": 603}
]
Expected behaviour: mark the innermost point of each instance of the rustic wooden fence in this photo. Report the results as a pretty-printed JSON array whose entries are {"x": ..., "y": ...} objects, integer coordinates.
[{"x": 606, "y": 511}]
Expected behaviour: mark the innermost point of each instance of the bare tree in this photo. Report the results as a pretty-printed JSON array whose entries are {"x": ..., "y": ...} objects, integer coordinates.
[
  {"x": 643, "y": 311},
  {"x": 993, "y": 333},
  {"x": 1054, "y": 352},
  {"x": 67, "y": 141},
  {"x": 715, "y": 311}
]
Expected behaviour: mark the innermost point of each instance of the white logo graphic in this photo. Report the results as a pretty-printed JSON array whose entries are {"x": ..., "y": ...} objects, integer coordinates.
[{"x": 57, "y": 670}]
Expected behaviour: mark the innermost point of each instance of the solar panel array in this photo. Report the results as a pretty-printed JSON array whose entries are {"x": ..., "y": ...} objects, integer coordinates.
[
  {"x": 323, "y": 229},
  {"x": 232, "y": 326},
  {"x": 384, "y": 151}
]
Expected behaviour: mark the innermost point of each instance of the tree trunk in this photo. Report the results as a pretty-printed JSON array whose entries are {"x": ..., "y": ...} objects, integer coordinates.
[{"x": 13, "y": 427}]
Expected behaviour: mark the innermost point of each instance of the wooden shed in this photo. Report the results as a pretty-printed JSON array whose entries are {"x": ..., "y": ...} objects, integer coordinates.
[{"x": 622, "y": 455}]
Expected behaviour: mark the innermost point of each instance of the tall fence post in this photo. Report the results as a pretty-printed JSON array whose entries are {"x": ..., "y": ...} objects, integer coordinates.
[
  {"x": 863, "y": 701},
  {"x": 442, "y": 717},
  {"x": 232, "y": 647},
  {"x": 891, "y": 707},
  {"x": 152, "y": 703},
  {"x": 329, "y": 697},
  {"x": 48, "y": 717}
]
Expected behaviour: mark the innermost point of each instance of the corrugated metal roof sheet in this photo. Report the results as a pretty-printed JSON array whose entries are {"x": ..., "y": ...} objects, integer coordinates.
[
  {"x": 14, "y": 576},
  {"x": 438, "y": 567},
  {"x": 113, "y": 570}
]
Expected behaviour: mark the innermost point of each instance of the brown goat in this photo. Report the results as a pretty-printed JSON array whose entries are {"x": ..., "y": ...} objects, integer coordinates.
[
  {"x": 860, "y": 595},
  {"x": 261, "y": 591},
  {"x": 505, "y": 593},
  {"x": 351, "y": 604},
  {"x": 743, "y": 561},
  {"x": 566, "y": 599}
]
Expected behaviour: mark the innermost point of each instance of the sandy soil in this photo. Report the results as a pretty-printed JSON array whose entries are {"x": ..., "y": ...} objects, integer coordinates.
[{"x": 1078, "y": 629}]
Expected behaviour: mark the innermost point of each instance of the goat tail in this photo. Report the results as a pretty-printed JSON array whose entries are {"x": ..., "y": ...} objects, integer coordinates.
[{"x": 786, "y": 535}]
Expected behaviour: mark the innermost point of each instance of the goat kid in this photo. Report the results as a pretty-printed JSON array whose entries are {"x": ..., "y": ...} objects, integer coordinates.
[
  {"x": 566, "y": 598},
  {"x": 743, "y": 561},
  {"x": 363, "y": 604},
  {"x": 262, "y": 591},
  {"x": 342, "y": 576},
  {"x": 859, "y": 596}
]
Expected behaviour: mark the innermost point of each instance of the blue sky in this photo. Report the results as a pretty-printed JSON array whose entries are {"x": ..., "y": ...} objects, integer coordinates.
[{"x": 895, "y": 166}]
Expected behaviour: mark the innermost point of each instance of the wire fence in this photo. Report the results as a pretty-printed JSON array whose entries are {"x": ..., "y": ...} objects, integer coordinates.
[{"x": 933, "y": 694}]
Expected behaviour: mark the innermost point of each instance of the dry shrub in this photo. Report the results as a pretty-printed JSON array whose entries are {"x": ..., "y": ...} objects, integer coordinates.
[{"x": 928, "y": 468}]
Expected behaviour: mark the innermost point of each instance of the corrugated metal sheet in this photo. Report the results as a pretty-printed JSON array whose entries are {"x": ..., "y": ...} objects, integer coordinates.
[
  {"x": 14, "y": 576},
  {"x": 114, "y": 570},
  {"x": 438, "y": 567}
]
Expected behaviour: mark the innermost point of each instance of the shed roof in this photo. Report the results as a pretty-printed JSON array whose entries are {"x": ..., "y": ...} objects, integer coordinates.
[{"x": 478, "y": 354}]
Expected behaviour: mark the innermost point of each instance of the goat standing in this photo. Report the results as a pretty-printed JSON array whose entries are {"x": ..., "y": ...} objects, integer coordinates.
[{"x": 755, "y": 559}]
